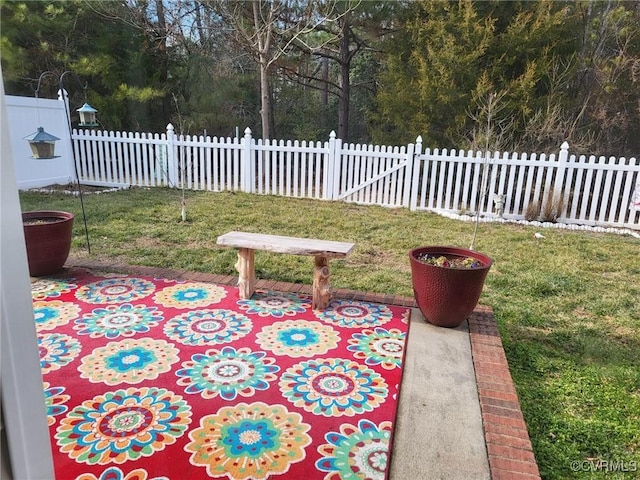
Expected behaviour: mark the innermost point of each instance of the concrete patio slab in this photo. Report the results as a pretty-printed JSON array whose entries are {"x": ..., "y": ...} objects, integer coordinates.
[{"x": 439, "y": 433}]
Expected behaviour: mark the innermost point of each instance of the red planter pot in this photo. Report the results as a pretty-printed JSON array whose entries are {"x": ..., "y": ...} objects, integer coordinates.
[
  {"x": 48, "y": 241},
  {"x": 447, "y": 296}
]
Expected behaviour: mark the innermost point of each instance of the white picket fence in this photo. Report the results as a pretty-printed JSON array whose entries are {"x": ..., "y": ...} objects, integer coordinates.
[
  {"x": 590, "y": 190},
  {"x": 595, "y": 191}
]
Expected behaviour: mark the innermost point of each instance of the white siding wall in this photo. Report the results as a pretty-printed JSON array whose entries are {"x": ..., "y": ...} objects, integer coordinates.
[{"x": 25, "y": 115}]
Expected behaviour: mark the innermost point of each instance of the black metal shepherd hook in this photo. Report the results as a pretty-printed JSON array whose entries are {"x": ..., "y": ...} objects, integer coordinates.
[{"x": 65, "y": 100}]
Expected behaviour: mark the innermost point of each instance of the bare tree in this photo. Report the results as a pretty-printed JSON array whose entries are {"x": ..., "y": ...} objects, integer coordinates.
[
  {"x": 349, "y": 27},
  {"x": 266, "y": 30}
]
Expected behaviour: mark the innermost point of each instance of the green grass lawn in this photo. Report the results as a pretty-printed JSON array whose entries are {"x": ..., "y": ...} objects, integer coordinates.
[{"x": 568, "y": 307}]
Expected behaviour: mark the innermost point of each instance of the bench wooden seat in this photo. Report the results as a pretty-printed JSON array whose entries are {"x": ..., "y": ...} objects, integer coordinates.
[{"x": 322, "y": 250}]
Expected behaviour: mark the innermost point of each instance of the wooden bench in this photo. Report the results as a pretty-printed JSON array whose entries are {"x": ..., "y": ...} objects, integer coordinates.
[{"x": 322, "y": 250}]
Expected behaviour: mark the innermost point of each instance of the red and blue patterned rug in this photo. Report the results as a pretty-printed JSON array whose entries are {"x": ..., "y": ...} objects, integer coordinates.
[{"x": 148, "y": 378}]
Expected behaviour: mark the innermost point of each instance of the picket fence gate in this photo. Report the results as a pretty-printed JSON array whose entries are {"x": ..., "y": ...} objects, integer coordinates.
[{"x": 572, "y": 189}]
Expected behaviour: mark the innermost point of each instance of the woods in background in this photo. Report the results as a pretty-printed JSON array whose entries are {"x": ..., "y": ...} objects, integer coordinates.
[{"x": 375, "y": 72}]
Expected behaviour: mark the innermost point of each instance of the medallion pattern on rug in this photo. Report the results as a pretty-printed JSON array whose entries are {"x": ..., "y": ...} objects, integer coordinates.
[{"x": 155, "y": 379}]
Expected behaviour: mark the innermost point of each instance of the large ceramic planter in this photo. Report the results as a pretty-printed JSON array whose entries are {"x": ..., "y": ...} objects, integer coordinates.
[
  {"x": 447, "y": 296},
  {"x": 47, "y": 237}
]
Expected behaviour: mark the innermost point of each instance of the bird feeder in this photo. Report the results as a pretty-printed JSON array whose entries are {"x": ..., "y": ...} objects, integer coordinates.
[
  {"x": 42, "y": 144},
  {"x": 87, "y": 116}
]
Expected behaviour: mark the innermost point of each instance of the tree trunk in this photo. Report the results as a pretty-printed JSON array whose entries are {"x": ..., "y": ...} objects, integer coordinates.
[
  {"x": 344, "y": 82},
  {"x": 264, "y": 44},
  {"x": 161, "y": 33},
  {"x": 198, "y": 19},
  {"x": 265, "y": 99},
  {"x": 324, "y": 94}
]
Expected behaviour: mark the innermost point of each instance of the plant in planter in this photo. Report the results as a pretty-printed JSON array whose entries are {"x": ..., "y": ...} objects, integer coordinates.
[
  {"x": 448, "y": 281},
  {"x": 47, "y": 237}
]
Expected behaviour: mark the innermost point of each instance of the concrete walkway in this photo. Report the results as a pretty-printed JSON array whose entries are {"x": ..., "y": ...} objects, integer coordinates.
[
  {"x": 459, "y": 416},
  {"x": 439, "y": 432}
]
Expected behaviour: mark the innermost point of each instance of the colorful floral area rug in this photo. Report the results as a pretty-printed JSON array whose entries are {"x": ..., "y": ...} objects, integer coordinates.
[{"x": 148, "y": 378}]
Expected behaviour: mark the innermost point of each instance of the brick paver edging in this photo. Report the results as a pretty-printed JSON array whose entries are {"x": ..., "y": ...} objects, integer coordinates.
[
  {"x": 505, "y": 431},
  {"x": 508, "y": 445}
]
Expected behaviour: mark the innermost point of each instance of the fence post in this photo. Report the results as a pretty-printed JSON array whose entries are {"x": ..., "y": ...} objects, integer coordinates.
[
  {"x": 247, "y": 182},
  {"x": 63, "y": 96},
  {"x": 408, "y": 177},
  {"x": 412, "y": 178},
  {"x": 332, "y": 178},
  {"x": 558, "y": 185},
  {"x": 327, "y": 181},
  {"x": 172, "y": 165},
  {"x": 337, "y": 154}
]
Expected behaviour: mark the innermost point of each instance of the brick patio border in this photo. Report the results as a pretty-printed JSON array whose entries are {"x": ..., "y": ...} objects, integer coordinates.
[
  {"x": 505, "y": 431},
  {"x": 508, "y": 445}
]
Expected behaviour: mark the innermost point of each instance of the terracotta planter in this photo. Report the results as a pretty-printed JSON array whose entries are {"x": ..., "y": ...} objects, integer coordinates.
[
  {"x": 47, "y": 237},
  {"x": 447, "y": 296}
]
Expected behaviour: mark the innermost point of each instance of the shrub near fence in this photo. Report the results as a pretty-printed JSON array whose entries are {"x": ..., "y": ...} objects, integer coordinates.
[{"x": 569, "y": 188}]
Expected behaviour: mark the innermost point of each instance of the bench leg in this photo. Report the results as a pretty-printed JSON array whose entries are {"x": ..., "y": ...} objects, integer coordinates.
[
  {"x": 321, "y": 286},
  {"x": 246, "y": 272}
]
